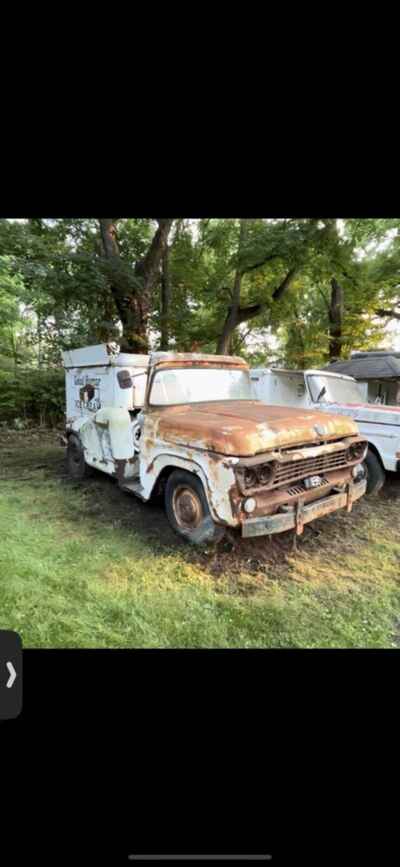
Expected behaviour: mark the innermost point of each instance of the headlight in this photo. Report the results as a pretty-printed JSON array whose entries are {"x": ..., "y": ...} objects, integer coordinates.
[
  {"x": 265, "y": 474},
  {"x": 249, "y": 505},
  {"x": 250, "y": 478},
  {"x": 356, "y": 451}
]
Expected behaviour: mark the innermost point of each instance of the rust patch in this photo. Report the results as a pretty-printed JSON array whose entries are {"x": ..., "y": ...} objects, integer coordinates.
[
  {"x": 280, "y": 522},
  {"x": 269, "y": 502},
  {"x": 193, "y": 359},
  {"x": 299, "y": 516},
  {"x": 245, "y": 427},
  {"x": 283, "y": 469}
]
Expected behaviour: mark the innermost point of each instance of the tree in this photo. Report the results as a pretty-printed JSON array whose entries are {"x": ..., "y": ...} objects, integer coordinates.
[
  {"x": 294, "y": 290},
  {"x": 237, "y": 312},
  {"x": 233, "y": 273},
  {"x": 85, "y": 283},
  {"x": 132, "y": 285},
  {"x": 355, "y": 265},
  {"x": 13, "y": 325}
]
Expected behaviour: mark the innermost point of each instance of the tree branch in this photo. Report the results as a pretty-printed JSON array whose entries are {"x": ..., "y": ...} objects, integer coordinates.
[
  {"x": 148, "y": 267},
  {"x": 259, "y": 263},
  {"x": 278, "y": 292},
  {"x": 245, "y": 313},
  {"x": 390, "y": 314}
]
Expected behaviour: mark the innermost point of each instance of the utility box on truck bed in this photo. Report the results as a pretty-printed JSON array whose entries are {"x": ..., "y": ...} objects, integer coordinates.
[{"x": 100, "y": 376}]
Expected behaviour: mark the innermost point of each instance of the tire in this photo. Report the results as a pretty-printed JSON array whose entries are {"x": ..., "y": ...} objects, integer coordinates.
[
  {"x": 375, "y": 473},
  {"x": 187, "y": 509},
  {"x": 77, "y": 467}
]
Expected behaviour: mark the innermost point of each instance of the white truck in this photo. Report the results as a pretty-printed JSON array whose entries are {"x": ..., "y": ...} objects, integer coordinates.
[
  {"x": 340, "y": 394},
  {"x": 187, "y": 426}
]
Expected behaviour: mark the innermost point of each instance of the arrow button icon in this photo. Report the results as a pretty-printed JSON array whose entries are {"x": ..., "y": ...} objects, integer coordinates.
[{"x": 13, "y": 675}]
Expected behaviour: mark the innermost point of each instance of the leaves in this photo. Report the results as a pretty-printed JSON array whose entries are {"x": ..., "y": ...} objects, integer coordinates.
[{"x": 55, "y": 284}]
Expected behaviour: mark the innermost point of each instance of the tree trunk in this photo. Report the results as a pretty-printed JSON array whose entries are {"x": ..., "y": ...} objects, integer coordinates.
[
  {"x": 232, "y": 316},
  {"x": 225, "y": 339},
  {"x": 165, "y": 299},
  {"x": 335, "y": 321},
  {"x": 132, "y": 288}
]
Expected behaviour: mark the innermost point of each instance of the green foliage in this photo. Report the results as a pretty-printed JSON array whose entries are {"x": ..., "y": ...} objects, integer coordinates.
[
  {"x": 32, "y": 396},
  {"x": 55, "y": 284}
]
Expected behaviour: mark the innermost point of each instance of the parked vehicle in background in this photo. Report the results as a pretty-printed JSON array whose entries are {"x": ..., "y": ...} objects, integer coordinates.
[
  {"x": 377, "y": 372},
  {"x": 340, "y": 394},
  {"x": 188, "y": 426}
]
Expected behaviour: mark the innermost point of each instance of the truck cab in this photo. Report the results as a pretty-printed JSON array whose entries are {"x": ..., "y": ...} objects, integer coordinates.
[
  {"x": 186, "y": 425},
  {"x": 339, "y": 394}
]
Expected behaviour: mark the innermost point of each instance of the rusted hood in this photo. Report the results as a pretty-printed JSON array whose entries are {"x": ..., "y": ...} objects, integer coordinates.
[{"x": 248, "y": 427}]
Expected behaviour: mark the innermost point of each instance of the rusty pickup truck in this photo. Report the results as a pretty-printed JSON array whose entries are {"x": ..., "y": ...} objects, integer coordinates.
[{"x": 188, "y": 427}]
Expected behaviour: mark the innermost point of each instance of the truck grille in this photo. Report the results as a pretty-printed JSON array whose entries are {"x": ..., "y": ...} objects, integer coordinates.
[
  {"x": 310, "y": 467},
  {"x": 253, "y": 476}
]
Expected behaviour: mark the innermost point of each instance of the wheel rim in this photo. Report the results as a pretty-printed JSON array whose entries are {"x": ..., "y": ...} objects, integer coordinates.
[{"x": 187, "y": 508}]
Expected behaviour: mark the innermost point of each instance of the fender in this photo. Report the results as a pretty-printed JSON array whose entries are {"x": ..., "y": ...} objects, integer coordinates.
[
  {"x": 119, "y": 425},
  {"x": 220, "y": 507}
]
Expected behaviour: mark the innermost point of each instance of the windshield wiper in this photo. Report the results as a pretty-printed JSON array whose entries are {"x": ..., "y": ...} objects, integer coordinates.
[{"x": 321, "y": 394}]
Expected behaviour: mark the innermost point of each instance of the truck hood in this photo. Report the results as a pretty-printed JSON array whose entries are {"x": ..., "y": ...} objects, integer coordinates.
[
  {"x": 247, "y": 427},
  {"x": 367, "y": 412}
]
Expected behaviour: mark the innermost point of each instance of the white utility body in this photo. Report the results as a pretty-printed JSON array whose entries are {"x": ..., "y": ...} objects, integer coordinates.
[{"x": 334, "y": 393}]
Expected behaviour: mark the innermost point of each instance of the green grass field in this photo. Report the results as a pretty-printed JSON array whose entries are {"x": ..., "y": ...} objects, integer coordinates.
[{"x": 89, "y": 566}]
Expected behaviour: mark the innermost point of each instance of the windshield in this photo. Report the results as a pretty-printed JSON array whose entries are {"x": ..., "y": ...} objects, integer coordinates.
[
  {"x": 331, "y": 389},
  {"x": 195, "y": 385}
]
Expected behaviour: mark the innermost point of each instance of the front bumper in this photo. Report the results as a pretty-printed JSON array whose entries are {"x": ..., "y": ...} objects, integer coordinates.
[{"x": 303, "y": 514}]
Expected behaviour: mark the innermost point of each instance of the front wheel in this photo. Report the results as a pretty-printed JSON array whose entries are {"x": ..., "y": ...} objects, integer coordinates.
[
  {"x": 375, "y": 473},
  {"x": 187, "y": 509}
]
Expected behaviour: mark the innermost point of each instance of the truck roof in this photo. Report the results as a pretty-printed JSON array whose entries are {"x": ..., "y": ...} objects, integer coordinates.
[
  {"x": 309, "y": 371},
  {"x": 108, "y": 354},
  {"x": 187, "y": 357},
  {"x": 103, "y": 355}
]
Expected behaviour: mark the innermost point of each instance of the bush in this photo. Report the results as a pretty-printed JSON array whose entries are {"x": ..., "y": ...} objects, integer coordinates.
[{"x": 29, "y": 396}]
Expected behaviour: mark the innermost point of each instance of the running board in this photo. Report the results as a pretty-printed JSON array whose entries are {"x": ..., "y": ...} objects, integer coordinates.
[{"x": 133, "y": 487}]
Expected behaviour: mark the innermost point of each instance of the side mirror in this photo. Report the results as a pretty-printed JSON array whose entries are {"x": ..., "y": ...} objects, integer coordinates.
[{"x": 124, "y": 379}]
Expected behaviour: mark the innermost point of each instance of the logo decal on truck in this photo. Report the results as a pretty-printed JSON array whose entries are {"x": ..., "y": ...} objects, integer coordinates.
[{"x": 89, "y": 393}]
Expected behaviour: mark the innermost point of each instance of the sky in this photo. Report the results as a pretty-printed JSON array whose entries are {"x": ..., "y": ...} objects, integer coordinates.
[{"x": 393, "y": 335}]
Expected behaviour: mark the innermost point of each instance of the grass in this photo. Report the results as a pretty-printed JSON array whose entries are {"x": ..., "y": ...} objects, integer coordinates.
[{"x": 89, "y": 566}]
